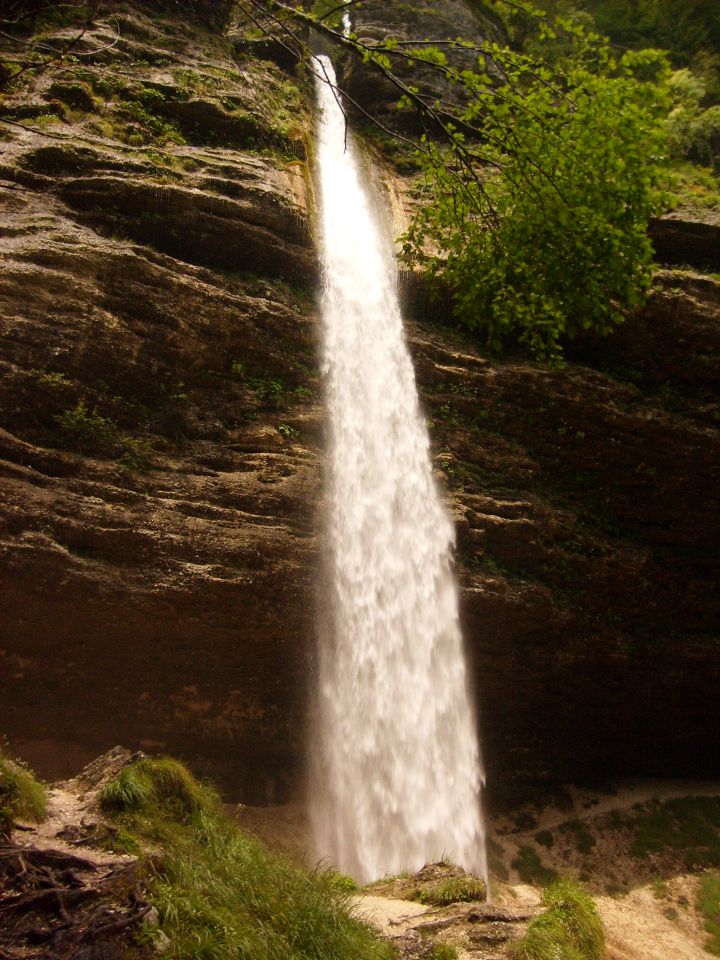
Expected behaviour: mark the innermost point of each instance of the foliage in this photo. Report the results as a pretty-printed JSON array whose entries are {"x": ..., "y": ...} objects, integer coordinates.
[
  {"x": 570, "y": 928},
  {"x": 531, "y": 869},
  {"x": 688, "y": 827},
  {"x": 708, "y": 903},
  {"x": 551, "y": 238},
  {"x": 462, "y": 889},
  {"x": 220, "y": 894},
  {"x": 681, "y": 26},
  {"x": 694, "y": 130},
  {"x": 21, "y": 795}
]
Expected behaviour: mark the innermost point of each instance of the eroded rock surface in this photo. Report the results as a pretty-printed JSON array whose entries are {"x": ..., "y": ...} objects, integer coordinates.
[
  {"x": 160, "y": 419},
  {"x": 161, "y": 446}
]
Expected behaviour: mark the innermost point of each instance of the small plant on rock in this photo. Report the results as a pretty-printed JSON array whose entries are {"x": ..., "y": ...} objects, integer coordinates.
[{"x": 86, "y": 429}]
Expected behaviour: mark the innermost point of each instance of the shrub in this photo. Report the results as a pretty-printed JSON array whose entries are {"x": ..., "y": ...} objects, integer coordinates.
[
  {"x": 570, "y": 928},
  {"x": 551, "y": 239}
]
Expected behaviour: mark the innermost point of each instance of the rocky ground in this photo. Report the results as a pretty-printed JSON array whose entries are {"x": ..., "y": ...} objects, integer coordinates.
[{"x": 645, "y": 891}]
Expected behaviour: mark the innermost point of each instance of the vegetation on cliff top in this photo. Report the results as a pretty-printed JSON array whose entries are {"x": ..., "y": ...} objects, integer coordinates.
[{"x": 221, "y": 894}]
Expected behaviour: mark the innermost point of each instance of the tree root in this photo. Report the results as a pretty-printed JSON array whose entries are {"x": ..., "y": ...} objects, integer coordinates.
[{"x": 60, "y": 903}]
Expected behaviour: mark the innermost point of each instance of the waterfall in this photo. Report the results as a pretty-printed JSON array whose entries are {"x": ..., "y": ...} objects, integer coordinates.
[{"x": 396, "y": 771}]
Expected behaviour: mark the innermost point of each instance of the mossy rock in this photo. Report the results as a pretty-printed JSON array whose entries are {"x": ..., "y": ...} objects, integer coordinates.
[{"x": 74, "y": 94}]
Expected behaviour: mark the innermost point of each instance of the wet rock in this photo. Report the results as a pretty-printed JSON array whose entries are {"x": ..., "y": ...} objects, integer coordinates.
[
  {"x": 690, "y": 237},
  {"x": 374, "y": 20}
]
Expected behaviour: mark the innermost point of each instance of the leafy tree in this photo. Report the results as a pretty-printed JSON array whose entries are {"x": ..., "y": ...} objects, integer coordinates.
[{"x": 552, "y": 238}]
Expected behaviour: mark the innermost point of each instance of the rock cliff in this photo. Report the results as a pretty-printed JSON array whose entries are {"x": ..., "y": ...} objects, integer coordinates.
[{"x": 161, "y": 452}]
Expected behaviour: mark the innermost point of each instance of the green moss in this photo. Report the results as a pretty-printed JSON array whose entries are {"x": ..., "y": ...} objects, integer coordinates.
[
  {"x": 570, "y": 928},
  {"x": 708, "y": 903},
  {"x": 151, "y": 129},
  {"x": 220, "y": 894},
  {"x": 21, "y": 795},
  {"x": 531, "y": 869}
]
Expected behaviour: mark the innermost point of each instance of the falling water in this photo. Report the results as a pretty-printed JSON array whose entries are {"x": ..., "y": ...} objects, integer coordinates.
[{"x": 397, "y": 775}]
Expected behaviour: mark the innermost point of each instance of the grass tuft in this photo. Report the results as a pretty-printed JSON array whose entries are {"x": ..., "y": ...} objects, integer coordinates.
[
  {"x": 570, "y": 928},
  {"x": 21, "y": 795},
  {"x": 222, "y": 895},
  {"x": 464, "y": 889},
  {"x": 163, "y": 785}
]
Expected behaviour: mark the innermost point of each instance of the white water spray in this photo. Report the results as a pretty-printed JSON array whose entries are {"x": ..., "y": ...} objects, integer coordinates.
[{"x": 396, "y": 779}]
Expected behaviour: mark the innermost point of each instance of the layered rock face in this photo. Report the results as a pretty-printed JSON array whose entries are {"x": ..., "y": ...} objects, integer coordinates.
[
  {"x": 587, "y": 509},
  {"x": 160, "y": 410},
  {"x": 161, "y": 448}
]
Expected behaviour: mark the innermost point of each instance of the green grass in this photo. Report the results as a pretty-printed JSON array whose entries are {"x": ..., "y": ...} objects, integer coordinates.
[
  {"x": 21, "y": 795},
  {"x": 708, "y": 903},
  {"x": 531, "y": 869},
  {"x": 443, "y": 951},
  {"x": 688, "y": 827},
  {"x": 464, "y": 889},
  {"x": 220, "y": 894},
  {"x": 570, "y": 928}
]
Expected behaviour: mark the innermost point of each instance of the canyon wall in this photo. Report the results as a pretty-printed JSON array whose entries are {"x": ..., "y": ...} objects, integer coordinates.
[{"x": 161, "y": 445}]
